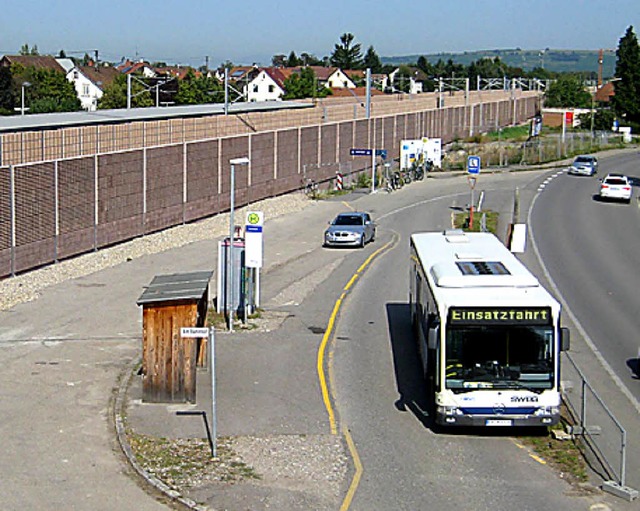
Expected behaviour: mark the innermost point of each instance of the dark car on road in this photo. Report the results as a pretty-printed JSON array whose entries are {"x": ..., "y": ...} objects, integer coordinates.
[{"x": 353, "y": 229}]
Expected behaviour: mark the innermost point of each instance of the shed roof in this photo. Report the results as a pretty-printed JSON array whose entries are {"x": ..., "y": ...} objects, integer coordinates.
[{"x": 176, "y": 286}]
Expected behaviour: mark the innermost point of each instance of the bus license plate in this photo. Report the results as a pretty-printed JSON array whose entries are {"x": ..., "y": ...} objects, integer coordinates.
[{"x": 498, "y": 422}]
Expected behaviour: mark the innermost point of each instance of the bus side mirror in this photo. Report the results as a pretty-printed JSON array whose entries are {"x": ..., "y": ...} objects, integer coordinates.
[
  {"x": 433, "y": 337},
  {"x": 565, "y": 339}
]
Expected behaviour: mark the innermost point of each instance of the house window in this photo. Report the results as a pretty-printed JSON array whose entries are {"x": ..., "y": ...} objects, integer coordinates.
[
  {"x": 271, "y": 88},
  {"x": 255, "y": 88},
  {"x": 75, "y": 75},
  {"x": 85, "y": 89}
]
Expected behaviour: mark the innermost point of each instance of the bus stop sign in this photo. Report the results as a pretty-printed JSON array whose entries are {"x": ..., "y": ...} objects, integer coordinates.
[{"x": 473, "y": 164}]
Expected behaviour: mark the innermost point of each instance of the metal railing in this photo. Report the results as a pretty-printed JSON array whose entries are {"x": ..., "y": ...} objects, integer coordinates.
[{"x": 598, "y": 427}]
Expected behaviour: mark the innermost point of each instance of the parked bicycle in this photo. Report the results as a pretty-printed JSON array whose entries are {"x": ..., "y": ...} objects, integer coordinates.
[
  {"x": 397, "y": 181},
  {"x": 392, "y": 181},
  {"x": 407, "y": 175},
  {"x": 311, "y": 189}
]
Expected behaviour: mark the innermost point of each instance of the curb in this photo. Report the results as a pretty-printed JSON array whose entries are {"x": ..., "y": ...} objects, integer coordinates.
[{"x": 119, "y": 424}]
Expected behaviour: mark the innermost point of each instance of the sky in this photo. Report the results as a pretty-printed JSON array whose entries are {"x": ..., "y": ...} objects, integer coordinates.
[{"x": 186, "y": 32}]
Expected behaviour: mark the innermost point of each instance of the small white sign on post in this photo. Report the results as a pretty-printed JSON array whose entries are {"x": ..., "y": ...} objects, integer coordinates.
[
  {"x": 253, "y": 239},
  {"x": 194, "y": 332}
]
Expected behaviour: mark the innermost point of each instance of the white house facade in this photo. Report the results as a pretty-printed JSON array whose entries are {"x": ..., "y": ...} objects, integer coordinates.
[
  {"x": 339, "y": 80},
  {"x": 264, "y": 87},
  {"x": 88, "y": 92},
  {"x": 415, "y": 86}
]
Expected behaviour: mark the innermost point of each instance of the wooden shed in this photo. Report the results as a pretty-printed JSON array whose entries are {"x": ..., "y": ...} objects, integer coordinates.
[{"x": 169, "y": 361}]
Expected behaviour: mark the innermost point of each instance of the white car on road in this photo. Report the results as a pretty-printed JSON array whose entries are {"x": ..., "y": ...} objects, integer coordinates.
[{"x": 616, "y": 187}]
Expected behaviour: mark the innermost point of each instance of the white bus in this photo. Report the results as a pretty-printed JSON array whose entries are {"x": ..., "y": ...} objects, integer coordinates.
[{"x": 488, "y": 333}]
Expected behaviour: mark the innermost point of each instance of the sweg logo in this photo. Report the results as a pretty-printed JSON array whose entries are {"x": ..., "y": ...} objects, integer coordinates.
[{"x": 524, "y": 399}]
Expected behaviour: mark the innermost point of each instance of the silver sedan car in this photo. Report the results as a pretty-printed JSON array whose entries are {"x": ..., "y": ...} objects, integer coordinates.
[
  {"x": 353, "y": 229},
  {"x": 584, "y": 165}
]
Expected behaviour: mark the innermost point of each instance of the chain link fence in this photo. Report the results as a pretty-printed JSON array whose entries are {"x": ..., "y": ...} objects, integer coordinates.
[{"x": 502, "y": 153}]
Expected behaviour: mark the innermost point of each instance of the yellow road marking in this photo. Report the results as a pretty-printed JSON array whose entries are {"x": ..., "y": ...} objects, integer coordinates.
[
  {"x": 327, "y": 390},
  {"x": 359, "y": 470},
  {"x": 326, "y": 397},
  {"x": 531, "y": 455}
]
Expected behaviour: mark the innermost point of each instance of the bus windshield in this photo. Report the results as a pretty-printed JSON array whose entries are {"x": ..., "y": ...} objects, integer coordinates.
[{"x": 499, "y": 357}]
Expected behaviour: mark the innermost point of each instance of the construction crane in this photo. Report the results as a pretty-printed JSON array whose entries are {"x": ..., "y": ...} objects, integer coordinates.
[
  {"x": 600, "y": 61},
  {"x": 600, "y": 64}
]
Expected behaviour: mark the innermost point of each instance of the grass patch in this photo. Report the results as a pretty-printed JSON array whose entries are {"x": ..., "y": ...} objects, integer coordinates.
[
  {"x": 461, "y": 221},
  {"x": 510, "y": 133},
  {"x": 216, "y": 319},
  {"x": 187, "y": 463},
  {"x": 563, "y": 455}
]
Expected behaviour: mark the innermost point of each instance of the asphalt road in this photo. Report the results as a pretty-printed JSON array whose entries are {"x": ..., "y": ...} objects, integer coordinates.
[
  {"x": 590, "y": 251},
  {"x": 63, "y": 354},
  {"x": 379, "y": 389}
]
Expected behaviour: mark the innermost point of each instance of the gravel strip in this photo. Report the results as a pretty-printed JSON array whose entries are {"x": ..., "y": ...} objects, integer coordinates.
[{"x": 26, "y": 287}]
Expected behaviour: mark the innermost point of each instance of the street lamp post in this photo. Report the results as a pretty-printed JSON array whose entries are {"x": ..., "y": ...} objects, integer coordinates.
[
  {"x": 229, "y": 305},
  {"x": 22, "y": 107}
]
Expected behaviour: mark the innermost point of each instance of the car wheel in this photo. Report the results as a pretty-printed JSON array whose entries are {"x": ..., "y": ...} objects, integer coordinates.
[{"x": 362, "y": 241}]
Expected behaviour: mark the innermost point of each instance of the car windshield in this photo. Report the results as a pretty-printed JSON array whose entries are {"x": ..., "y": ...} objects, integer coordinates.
[
  {"x": 615, "y": 181},
  {"x": 583, "y": 159},
  {"x": 348, "y": 220}
]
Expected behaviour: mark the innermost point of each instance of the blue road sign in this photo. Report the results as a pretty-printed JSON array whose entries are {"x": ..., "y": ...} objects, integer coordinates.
[
  {"x": 382, "y": 152},
  {"x": 473, "y": 164},
  {"x": 360, "y": 152}
]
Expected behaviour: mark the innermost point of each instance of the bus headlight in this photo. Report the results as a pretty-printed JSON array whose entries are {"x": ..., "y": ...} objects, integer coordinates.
[
  {"x": 448, "y": 410},
  {"x": 548, "y": 410}
]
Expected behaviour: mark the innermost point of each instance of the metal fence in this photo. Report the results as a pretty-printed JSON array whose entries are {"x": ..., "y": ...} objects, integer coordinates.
[
  {"x": 562, "y": 146},
  {"x": 604, "y": 437},
  {"x": 502, "y": 153},
  {"x": 57, "y": 208}
]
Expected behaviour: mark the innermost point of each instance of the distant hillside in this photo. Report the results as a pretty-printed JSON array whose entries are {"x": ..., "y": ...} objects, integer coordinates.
[{"x": 552, "y": 60}]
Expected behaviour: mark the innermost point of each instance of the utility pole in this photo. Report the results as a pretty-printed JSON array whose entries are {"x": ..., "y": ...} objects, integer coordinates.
[{"x": 368, "y": 100}]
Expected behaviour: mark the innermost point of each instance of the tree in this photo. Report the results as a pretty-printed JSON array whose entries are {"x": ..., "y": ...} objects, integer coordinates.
[
  {"x": 278, "y": 60},
  {"x": 302, "y": 85},
  {"x": 542, "y": 73},
  {"x": 25, "y": 50},
  {"x": 6, "y": 91},
  {"x": 488, "y": 68},
  {"x": 372, "y": 61},
  {"x": 347, "y": 55},
  {"x": 567, "y": 91},
  {"x": 308, "y": 59},
  {"x": 115, "y": 94},
  {"x": 50, "y": 91},
  {"x": 626, "y": 101},
  {"x": 292, "y": 60},
  {"x": 424, "y": 66},
  {"x": 194, "y": 90},
  {"x": 602, "y": 119}
]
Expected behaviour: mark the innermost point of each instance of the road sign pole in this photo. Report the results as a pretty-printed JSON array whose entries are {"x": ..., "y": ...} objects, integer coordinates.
[
  {"x": 471, "y": 211},
  {"x": 373, "y": 171},
  {"x": 214, "y": 419},
  {"x": 472, "y": 184}
]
